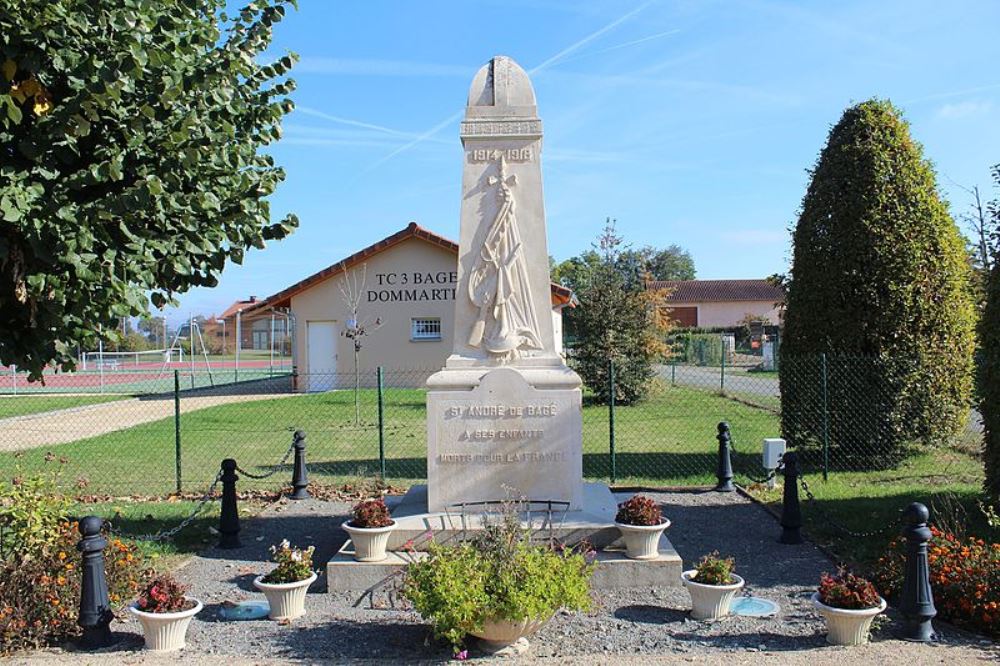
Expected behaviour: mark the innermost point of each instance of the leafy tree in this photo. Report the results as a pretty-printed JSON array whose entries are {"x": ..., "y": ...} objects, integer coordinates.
[
  {"x": 617, "y": 321},
  {"x": 670, "y": 263},
  {"x": 153, "y": 327},
  {"x": 130, "y": 160},
  {"x": 635, "y": 267},
  {"x": 879, "y": 284}
]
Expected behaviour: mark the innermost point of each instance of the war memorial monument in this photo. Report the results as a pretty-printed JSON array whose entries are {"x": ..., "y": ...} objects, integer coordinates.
[{"x": 504, "y": 416}]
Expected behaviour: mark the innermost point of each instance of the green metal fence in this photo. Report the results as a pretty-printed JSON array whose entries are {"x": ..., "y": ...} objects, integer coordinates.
[{"x": 156, "y": 442}]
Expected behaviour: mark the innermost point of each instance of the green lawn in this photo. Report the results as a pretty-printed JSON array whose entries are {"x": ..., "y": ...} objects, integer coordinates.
[
  {"x": 948, "y": 481},
  {"x": 34, "y": 404},
  {"x": 668, "y": 440}
]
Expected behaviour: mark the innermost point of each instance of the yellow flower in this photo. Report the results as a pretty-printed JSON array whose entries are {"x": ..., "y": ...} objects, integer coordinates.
[
  {"x": 62, "y": 555},
  {"x": 42, "y": 104}
]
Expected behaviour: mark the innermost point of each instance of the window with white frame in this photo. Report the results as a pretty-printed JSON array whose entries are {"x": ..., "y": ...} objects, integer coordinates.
[{"x": 425, "y": 328}]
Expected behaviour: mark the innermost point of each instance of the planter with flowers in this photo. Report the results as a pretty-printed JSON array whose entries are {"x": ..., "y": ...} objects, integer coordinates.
[
  {"x": 285, "y": 587},
  {"x": 369, "y": 529},
  {"x": 641, "y": 523},
  {"x": 499, "y": 587},
  {"x": 848, "y": 603},
  {"x": 712, "y": 586},
  {"x": 165, "y": 612}
]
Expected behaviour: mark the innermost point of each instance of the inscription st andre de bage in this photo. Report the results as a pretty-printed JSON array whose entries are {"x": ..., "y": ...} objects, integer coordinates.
[{"x": 499, "y": 435}]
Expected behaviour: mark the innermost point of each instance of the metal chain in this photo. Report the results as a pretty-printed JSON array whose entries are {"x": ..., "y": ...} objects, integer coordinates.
[
  {"x": 274, "y": 470},
  {"x": 171, "y": 533},
  {"x": 829, "y": 519}
]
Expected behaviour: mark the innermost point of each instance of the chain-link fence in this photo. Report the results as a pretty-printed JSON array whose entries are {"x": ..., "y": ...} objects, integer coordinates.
[{"x": 373, "y": 423}]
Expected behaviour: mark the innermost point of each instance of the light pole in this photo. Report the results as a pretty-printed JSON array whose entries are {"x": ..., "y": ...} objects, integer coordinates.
[{"x": 223, "y": 322}]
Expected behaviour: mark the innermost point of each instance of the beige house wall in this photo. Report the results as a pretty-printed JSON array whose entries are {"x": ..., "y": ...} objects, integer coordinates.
[
  {"x": 411, "y": 279},
  {"x": 731, "y": 313}
]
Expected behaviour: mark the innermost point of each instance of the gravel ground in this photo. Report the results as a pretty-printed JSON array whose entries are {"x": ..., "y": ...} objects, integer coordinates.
[{"x": 624, "y": 626}]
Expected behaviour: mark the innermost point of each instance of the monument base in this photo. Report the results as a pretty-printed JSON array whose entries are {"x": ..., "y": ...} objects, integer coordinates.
[{"x": 594, "y": 523}]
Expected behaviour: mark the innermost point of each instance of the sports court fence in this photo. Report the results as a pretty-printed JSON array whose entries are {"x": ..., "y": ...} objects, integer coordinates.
[{"x": 153, "y": 439}]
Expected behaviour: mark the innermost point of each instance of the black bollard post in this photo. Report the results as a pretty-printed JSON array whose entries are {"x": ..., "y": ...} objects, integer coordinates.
[
  {"x": 724, "y": 471},
  {"x": 791, "y": 511},
  {"x": 95, "y": 607},
  {"x": 300, "y": 482},
  {"x": 916, "y": 603},
  {"x": 229, "y": 520}
]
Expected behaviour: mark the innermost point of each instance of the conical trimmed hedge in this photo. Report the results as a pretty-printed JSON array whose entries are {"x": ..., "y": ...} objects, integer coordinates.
[{"x": 878, "y": 294}]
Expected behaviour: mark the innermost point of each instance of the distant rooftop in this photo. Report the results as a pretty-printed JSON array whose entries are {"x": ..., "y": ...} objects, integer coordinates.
[{"x": 705, "y": 291}]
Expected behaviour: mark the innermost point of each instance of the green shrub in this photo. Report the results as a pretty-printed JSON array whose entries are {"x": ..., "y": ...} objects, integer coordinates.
[
  {"x": 989, "y": 378},
  {"x": 879, "y": 272},
  {"x": 698, "y": 348},
  {"x": 714, "y": 570},
  {"x": 498, "y": 576},
  {"x": 39, "y": 570}
]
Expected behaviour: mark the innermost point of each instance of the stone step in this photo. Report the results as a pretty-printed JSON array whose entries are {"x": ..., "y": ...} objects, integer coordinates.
[{"x": 614, "y": 571}]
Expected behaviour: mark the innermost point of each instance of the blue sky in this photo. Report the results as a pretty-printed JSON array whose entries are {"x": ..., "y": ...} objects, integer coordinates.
[{"x": 690, "y": 122}]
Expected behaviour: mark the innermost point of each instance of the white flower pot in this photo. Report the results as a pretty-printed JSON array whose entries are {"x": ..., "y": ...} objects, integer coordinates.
[
  {"x": 642, "y": 541},
  {"x": 500, "y": 633},
  {"x": 165, "y": 632},
  {"x": 710, "y": 602},
  {"x": 286, "y": 601},
  {"x": 369, "y": 542},
  {"x": 846, "y": 626}
]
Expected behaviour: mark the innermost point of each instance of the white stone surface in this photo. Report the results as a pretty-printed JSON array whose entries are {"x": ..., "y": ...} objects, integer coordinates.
[
  {"x": 504, "y": 438},
  {"x": 504, "y": 414}
]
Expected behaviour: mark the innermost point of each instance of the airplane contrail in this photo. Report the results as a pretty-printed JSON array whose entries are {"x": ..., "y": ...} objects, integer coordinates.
[{"x": 545, "y": 63}]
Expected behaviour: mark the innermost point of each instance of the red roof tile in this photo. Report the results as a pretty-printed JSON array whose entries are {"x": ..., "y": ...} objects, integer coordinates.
[{"x": 705, "y": 291}]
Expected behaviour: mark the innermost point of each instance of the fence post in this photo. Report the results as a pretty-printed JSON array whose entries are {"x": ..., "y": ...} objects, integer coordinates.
[
  {"x": 300, "y": 481},
  {"x": 95, "y": 606},
  {"x": 791, "y": 511},
  {"x": 826, "y": 420},
  {"x": 229, "y": 519},
  {"x": 916, "y": 602},
  {"x": 724, "y": 471},
  {"x": 177, "y": 429},
  {"x": 381, "y": 422},
  {"x": 611, "y": 420},
  {"x": 722, "y": 365},
  {"x": 673, "y": 372}
]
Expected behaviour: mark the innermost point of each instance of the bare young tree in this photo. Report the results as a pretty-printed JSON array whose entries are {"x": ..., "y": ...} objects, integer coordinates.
[{"x": 351, "y": 290}]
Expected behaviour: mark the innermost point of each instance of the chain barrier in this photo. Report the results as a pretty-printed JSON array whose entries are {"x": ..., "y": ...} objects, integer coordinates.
[
  {"x": 274, "y": 470},
  {"x": 833, "y": 523},
  {"x": 171, "y": 533}
]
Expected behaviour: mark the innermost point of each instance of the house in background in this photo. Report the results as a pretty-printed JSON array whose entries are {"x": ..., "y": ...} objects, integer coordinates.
[
  {"x": 407, "y": 284},
  {"x": 721, "y": 303}
]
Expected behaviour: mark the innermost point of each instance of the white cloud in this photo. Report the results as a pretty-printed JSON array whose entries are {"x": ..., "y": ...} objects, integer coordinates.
[{"x": 964, "y": 109}]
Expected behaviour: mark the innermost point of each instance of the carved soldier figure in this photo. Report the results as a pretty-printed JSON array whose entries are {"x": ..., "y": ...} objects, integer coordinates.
[{"x": 498, "y": 284}]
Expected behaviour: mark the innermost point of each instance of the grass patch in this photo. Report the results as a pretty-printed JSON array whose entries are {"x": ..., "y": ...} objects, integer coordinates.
[
  {"x": 948, "y": 481},
  {"x": 36, "y": 404}
]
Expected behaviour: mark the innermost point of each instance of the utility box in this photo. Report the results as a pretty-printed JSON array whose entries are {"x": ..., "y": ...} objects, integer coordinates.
[{"x": 774, "y": 448}]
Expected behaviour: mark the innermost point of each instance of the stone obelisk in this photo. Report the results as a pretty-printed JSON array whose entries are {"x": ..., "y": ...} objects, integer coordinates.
[{"x": 504, "y": 414}]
